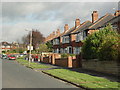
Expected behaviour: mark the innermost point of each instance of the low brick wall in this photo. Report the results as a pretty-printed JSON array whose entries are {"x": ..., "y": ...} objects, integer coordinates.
[
  {"x": 110, "y": 67},
  {"x": 74, "y": 64},
  {"x": 45, "y": 60},
  {"x": 55, "y": 59},
  {"x": 62, "y": 62}
]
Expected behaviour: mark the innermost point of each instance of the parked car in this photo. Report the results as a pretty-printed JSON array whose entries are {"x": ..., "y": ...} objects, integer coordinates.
[
  {"x": 11, "y": 57},
  {"x": 4, "y": 56},
  {"x": 0, "y": 55}
]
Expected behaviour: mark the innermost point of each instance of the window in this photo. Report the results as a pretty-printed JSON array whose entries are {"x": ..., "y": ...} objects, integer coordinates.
[
  {"x": 84, "y": 34},
  {"x": 79, "y": 36},
  {"x": 61, "y": 50},
  {"x": 53, "y": 51},
  {"x": 56, "y": 41},
  {"x": 56, "y": 50},
  {"x": 69, "y": 49},
  {"x": 65, "y": 50},
  {"x": 76, "y": 50},
  {"x": 65, "y": 39}
]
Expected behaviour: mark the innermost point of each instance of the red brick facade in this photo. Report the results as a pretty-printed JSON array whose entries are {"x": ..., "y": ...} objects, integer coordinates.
[{"x": 68, "y": 40}]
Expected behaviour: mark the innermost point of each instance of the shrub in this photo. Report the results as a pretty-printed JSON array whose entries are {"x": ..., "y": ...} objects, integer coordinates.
[
  {"x": 104, "y": 45},
  {"x": 65, "y": 55}
]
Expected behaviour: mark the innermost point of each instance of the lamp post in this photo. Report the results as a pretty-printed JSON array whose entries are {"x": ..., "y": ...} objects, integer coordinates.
[{"x": 30, "y": 47}]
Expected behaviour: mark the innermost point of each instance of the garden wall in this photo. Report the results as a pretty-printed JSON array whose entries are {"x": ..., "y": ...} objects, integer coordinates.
[
  {"x": 62, "y": 62},
  {"x": 110, "y": 67},
  {"x": 45, "y": 60}
]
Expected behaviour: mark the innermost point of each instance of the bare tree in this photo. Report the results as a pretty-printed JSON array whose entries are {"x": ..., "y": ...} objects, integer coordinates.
[{"x": 37, "y": 38}]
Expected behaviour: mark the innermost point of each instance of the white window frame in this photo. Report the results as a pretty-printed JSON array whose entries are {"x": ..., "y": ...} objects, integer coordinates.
[
  {"x": 56, "y": 41},
  {"x": 61, "y": 50},
  {"x": 65, "y": 39},
  {"x": 76, "y": 50},
  {"x": 79, "y": 37},
  {"x": 68, "y": 49}
]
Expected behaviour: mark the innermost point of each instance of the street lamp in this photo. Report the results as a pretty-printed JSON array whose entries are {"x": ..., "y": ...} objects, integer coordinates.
[{"x": 30, "y": 47}]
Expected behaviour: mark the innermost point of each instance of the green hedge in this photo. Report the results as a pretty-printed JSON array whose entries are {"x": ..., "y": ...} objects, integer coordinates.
[{"x": 102, "y": 45}]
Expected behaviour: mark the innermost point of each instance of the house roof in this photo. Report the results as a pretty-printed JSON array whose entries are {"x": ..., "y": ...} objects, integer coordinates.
[
  {"x": 114, "y": 20},
  {"x": 64, "y": 33},
  {"x": 74, "y": 30},
  {"x": 6, "y": 44},
  {"x": 69, "y": 31},
  {"x": 100, "y": 22},
  {"x": 82, "y": 27}
]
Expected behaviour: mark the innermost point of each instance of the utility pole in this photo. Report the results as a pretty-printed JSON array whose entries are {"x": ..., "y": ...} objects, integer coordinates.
[{"x": 30, "y": 47}]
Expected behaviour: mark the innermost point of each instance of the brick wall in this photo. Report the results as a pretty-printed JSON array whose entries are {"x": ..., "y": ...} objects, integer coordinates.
[
  {"x": 55, "y": 59},
  {"x": 110, "y": 67},
  {"x": 45, "y": 60},
  {"x": 61, "y": 62}
]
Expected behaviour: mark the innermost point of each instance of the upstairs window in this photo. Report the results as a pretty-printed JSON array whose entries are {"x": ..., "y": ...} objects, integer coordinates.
[
  {"x": 56, "y": 41},
  {"x": 65, "y": 39},
  {"x": 79, "y": 37}
]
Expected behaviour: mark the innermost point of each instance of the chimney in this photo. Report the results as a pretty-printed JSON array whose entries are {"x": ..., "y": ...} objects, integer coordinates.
[
  {"x": 77, "y": 22},
  {"x": 117, "y": 13},
  {"x": 58, "y": 32},
  {"x": 94, "y": 16},
  {"x": 66, "y": 27},
  {"x": 53, "y": 34}
]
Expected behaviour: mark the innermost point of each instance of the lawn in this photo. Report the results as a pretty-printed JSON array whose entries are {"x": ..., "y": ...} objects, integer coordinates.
[
  {"x": 84, "y": 80},
  {"x": 32, "y": 64}
]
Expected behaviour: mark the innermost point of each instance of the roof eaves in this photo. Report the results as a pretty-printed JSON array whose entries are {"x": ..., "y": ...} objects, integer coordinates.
[
  {"x": 69, "y": 31},
  {"x": 80, "y": 26},
  {"x": 91, "y": 27}
]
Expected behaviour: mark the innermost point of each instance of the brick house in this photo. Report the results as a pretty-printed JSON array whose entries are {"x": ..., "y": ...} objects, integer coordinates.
[
  {"x": 70, "y": 40},
  {"x": 4, "y": 46},
  {"x": 115, "y": 22},
  {"x": 99, "y": 23}
]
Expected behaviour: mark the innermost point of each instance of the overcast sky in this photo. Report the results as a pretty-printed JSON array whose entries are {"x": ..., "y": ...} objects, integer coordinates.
[{"x": 47, "y": 16}]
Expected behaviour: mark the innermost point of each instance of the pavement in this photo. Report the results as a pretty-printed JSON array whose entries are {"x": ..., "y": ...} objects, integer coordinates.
[{"x": 15, "y": 75}]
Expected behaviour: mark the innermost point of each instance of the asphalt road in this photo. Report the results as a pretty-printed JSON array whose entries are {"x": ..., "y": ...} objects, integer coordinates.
[{"x": 15, "y": 75}]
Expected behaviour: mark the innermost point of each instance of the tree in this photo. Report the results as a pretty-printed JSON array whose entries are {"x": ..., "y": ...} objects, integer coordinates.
[
  {"x": 49, "y": 45},
  {"x": 104, "y": 45},
  {"x": 37, "y": 38},
  {"x": 110, "y": 48},
  {"x": 43, "y": 48}
]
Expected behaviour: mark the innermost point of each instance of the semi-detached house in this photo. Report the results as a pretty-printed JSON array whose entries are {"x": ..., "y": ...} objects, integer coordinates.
[{"x": 70, "y": 41}]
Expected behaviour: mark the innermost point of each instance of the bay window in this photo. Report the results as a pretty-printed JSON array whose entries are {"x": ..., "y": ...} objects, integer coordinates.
[
  {"x": 76, "y": 50},
  {"x": 65, "y": 39},
  {"x": 79, "y": 36}
]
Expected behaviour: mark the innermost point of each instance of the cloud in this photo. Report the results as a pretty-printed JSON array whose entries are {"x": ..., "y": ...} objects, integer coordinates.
[
  {"x": 47, "y": 16},
  {"x": 11, "y": 33}
]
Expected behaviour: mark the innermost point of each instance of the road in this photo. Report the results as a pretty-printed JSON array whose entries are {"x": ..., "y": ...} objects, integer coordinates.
[{"x": 15, "y": 75}]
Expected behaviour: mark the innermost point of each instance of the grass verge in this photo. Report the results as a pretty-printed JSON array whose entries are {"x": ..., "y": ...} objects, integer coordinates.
[
  {"x": 84, "y": 80},
  {"x": 32, "y": 64}
]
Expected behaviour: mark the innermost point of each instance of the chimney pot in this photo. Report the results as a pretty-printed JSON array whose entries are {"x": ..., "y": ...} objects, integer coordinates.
[
  {"x": 77, "y": 22},
  {"x": 66, "y": 27},
  {"x": 58, "y": 32}
]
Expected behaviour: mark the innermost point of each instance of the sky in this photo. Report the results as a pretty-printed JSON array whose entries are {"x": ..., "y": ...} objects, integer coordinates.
[{"x": 46, "y": 16}]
